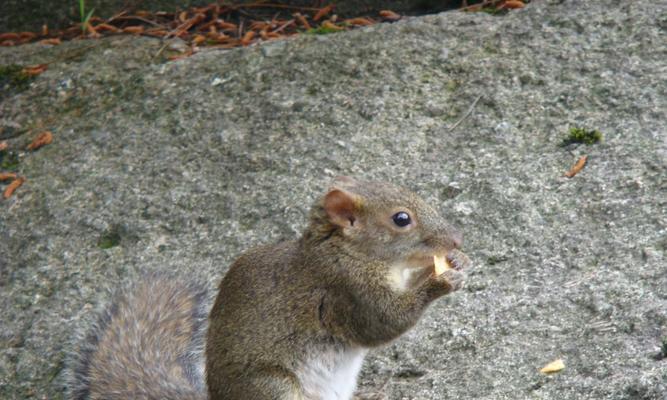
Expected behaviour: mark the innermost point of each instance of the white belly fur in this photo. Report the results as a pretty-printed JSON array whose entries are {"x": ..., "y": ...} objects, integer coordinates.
[
  {"x": 332, "y": 374},
  {"x": 400, "y": 275}
]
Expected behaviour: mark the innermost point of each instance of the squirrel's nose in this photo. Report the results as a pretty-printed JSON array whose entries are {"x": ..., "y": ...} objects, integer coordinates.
[{"x": 446, "y": 239}]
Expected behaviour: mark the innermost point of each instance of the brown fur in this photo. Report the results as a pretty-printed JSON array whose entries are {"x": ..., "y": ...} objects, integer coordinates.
[
  {"x": 148, "y": 345},
  {"x": 279, "y": 305}
]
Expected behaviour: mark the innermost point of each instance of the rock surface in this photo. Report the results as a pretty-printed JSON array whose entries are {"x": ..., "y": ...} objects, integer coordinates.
[{"x": 182, "y": 165}]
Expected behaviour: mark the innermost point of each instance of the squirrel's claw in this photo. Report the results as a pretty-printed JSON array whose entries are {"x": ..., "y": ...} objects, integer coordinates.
[{"x": 458, "y": 260}]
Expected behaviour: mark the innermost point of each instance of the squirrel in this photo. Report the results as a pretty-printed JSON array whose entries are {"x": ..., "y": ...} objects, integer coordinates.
[{"x": 292, "y": 320}]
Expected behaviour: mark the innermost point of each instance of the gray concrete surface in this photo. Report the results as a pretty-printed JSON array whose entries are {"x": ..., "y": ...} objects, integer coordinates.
[{"x": 191, "y": 162}]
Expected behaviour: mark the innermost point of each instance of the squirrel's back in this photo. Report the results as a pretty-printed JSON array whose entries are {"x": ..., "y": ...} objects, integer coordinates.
[{"x": 147, "y": 345}]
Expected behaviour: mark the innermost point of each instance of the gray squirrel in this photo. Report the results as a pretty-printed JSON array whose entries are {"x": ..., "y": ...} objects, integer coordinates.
[{"x": 292, "y": 320}]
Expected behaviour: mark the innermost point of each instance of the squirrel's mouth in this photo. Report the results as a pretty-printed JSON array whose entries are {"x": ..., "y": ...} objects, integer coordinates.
[{"x": 440, "y": 262}]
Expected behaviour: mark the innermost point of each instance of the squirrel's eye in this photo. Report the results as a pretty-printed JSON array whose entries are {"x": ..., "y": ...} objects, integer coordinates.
[{"x": 401, "y": 219}]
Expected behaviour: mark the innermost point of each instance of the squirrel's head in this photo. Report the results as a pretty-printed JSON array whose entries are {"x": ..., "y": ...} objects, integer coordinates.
[{"x": 382, "y": 222}]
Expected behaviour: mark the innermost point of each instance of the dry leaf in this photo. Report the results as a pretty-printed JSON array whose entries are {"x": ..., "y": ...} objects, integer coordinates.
[
  {"x": 359, "y": 21},
  {"x": 3, "y": 145},
  {"x": 9, "y": 36},
  {"x": 219, "y": 38},
  {"x": 27, "y": 35},
  {"x": 106, "y": 27},
  {"x": 389, "y": 15},
  {"x": 6, "y": 176},
  {"x": 513, "y": 4},
  {"x": 199, "y": 39},
  {"x": 331, "y": 26},
  {"x": 247, "y": 38},
  {"x": 302, "y": 20},
  {"x": 43, "y": 139},
  {"x": 53, "y": 41},
  {"x": 91, "y": 30},
  {"x": 324, "y": 11},
  {"x": 34, "y": 70},
  {"x": 259, "y": 25},
  {"x": 93, "y": 20},
  {"x": 577, "y": 167},
  {"x": 16, "y": 183},
  {"x": 157, "y": 33},
  {"x": 135, "y": 30},
  {"x": 554, "y": 366},
  {"x": 227, "y": 26},
  {"x": 181, "y": 56}
]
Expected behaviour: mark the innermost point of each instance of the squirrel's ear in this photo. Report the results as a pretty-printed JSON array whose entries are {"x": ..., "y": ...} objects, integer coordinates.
[{"x": 342, "y": 207}]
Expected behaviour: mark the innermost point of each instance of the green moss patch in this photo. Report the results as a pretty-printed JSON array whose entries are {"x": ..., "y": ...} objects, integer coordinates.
[
  {"x": 109, "y": 239},
  {"x": 582, "y": 135},
  {"x": 14, "y": 77},
  {"x": 9, "y": 161},
  {"x": 321, "y": 30}
]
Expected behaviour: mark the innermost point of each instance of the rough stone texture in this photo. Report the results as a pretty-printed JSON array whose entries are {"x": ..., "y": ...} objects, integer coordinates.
[
  {"x": 193, "y": 161},
  {"x": 22, "y": 15}
]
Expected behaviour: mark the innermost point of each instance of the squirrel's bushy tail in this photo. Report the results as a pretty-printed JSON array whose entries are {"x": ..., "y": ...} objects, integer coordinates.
[{"x": 149, "y": 344}]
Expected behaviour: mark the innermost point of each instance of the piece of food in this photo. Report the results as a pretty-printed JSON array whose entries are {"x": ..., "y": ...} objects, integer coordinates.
[
  {"x": 441, "y": 264},
  {"x": 554, "y": 366}
]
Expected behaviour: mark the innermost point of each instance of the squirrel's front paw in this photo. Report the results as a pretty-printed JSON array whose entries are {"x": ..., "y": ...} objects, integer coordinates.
[
  {"x": 458, "y": 260},
  {"x": 453, "y": 278}
]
